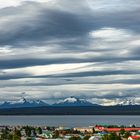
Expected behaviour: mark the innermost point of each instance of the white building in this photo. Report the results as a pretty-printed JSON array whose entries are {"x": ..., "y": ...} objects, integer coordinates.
[{"x": 95, "y": 138}]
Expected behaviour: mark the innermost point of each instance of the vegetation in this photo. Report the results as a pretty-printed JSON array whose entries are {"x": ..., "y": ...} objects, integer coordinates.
[
  {"x": 127, "y": 134},
  {"x": 122, "y": 131},
  {"x": 39, "y": 130},
  {"x": 75, "y": 138},
  {"x": 7, "y": 135},
  {"x": 111, "y": 136},
  {"x": 56, "y": 134},
  {"x": 86, "y": 138}
]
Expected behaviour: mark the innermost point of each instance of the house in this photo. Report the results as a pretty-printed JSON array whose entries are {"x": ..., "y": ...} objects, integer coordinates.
[
  {"x": 84, "y": 129},
  {"x": 99, "y": 128},
  {"x": 62, "y": 128},
  {"x": 95, "y": 138},
  {"x": 23, "y": 133},
  {"x": 67, "y": 136},
  {"x": 46, "y": 134},
  {"x": 134, "y": 138},
  {"x": 101, "y": 133}
]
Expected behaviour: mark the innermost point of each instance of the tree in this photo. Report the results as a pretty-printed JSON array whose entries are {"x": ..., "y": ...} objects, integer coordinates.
[
  {"x": 56, "y": 134},
  {"x": 122, "y": 131},
  {"x": 29, "y": 139},
  {"x": 17, "y": 133},
  {"x": 127, "y": 134},
  {"x": 39, "y": 130},
  {"x": 16, "y": 137},
  {"x": 111, "y": 136},
  {"x": 93, "y": 130},
  {"x": 86, "y": 138},
  {"x": 75, "y": 138},
  {"x": 133, "y": 126},
  {"x": 28, "y": 131},
  {"x": 48, "y": 128},
  {"x": 5, "y": 133}
]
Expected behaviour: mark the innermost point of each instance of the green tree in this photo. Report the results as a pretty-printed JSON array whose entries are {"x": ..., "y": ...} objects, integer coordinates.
[
  {"x": 86, "y": 138},
  {"x": 75, "y": 138},
  {"x": 111, "y": 136},
  {"x": 28, "y": 131},
  {"x": 5, "y": 133},
  {"x": 133, "y": 126},
  {"x": 17, "y": 133},
  {"x": 48, "y": 128},
  {"x": 127, "y": 134},
  {"x": 29, "y": 139},
  {"x": 39, "y": 130},
  {"x": 16, "y": 137},
  {"x": 56, "y": 134},
  {"x": 122, "y": 131},
  {"x": 93, "y": 131}
]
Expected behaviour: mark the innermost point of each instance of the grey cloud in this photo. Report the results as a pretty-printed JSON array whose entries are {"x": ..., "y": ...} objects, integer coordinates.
[
  {"x": 28, "y": 28},
  {"x": 98, "y": 73},
  {"x": 26, "y": 62},
  {"x": 48, "y": 24},
  {"x": 6, "y": 76},
  {"x": 64, "y": 28}
]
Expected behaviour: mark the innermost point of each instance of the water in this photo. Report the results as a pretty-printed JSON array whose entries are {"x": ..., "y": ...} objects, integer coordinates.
[{"x": 70, "y": 120}]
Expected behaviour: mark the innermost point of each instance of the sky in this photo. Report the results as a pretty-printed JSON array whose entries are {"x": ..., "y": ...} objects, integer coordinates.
[{"x": 53, "y": 49}]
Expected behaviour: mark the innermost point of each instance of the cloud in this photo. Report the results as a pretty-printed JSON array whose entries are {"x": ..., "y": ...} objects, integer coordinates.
[
  {"x": 53, "y": 49},
  {"x": 36, "y": 24},
  {"x": 111, "y": 34},
  {"x": 15, "y": 3},
  {"x": 113, "y": 5}
]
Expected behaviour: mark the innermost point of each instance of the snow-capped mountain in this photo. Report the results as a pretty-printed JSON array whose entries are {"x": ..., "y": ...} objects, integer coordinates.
[
  {"x": 128, "y": 102},
  {"x": 23, "y": 102},
  {"x": 73, "y": 101}
]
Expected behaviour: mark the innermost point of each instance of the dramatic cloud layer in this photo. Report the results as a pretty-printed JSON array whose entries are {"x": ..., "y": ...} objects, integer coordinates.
[{"x": 52, "y": 49}]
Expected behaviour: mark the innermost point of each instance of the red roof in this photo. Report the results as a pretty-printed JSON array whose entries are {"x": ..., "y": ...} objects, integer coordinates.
[
  {"x": 116, "y": 129},
  {"x": 100, "y": 128},
  {"x": 134, "y": 137}
]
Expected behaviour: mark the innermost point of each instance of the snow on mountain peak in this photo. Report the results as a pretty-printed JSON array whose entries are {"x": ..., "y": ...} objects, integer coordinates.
[
  {"x": 71, "y": 99},
  {"x": 128, "y": 102},
  {"x": 23, "y": 102}
]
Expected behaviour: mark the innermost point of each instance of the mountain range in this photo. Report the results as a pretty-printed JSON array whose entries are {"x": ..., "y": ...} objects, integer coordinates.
[
  {"x": 73, "y": 101},
  {"x": 23, "y": 102},
  {"x": 127, "y": 102},
  {"x": 67, "y": 102}
]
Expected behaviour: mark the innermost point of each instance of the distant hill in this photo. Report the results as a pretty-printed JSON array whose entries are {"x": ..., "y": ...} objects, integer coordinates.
[{"x": 74, "y": 110}]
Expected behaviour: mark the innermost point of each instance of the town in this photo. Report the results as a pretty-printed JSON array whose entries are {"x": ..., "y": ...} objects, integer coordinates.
[{"x": 97, "y": 132}]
